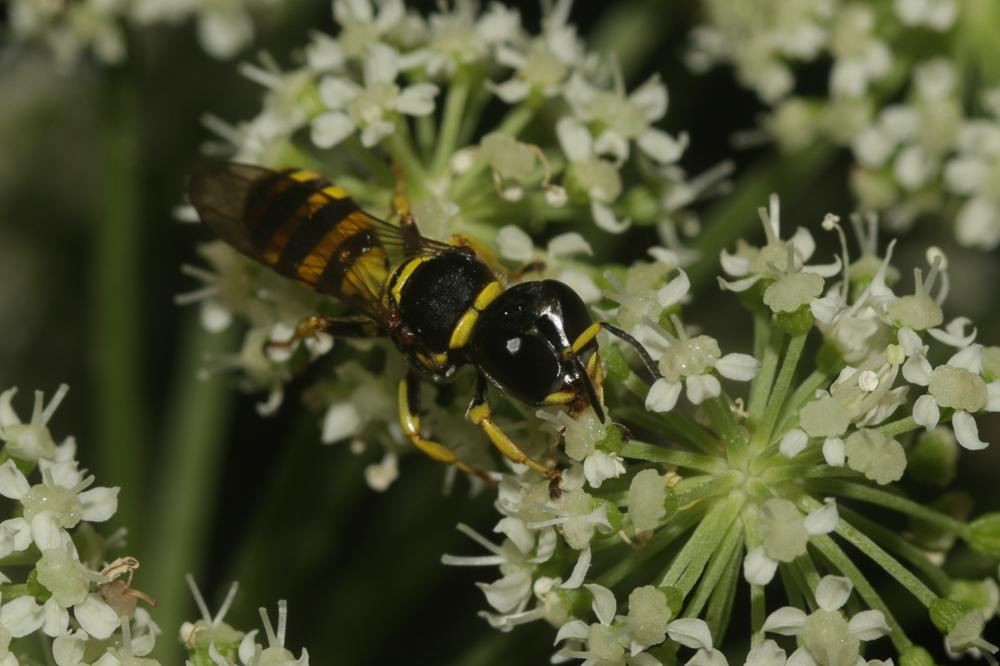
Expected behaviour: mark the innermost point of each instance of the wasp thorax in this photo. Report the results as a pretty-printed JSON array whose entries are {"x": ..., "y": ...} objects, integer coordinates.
[{"x": 686, "y": 358}]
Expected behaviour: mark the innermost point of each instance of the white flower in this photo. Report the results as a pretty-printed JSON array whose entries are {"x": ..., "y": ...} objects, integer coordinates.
[
  {"x": 32, "y": 440},
  {"x": 372, "y": 108},
  {"x": 459, "y": 38},
  {"x": 691, "y": 362},
  {"x": 825, "y": 635},
  {"x": 626, "y": 118},
  {"x": 274, "y": 652},
  {"x": 543, "y": 64},
  {"x": 592, "y": 177},
  {"x": 776, "y": 261},
  {"x": 784, "y": 533},
  {"x": 59, "y": 503}
]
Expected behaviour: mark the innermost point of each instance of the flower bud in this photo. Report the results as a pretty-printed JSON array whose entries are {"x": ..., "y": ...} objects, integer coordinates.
[
  {"x": 642, "y": 205},
  {"x": 984, "y": 535},
  {"x": 797, "y": 322},
  {"x": 933, "y": 460},
  {"x": 945, "y": 614}
]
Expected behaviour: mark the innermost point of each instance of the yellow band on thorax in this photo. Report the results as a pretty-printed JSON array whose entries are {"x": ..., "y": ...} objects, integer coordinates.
[
  {"x": 404, "y": 274},
  {"x": 467, "y": 322},
  {"x": 304, "y": 175}
]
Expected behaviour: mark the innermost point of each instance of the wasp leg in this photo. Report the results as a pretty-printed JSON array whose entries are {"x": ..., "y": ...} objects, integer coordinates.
[
  {"x": 409, "y": 418},
  {"x": 536, "y": 266},
  {"x": 647, "y": 360},
  {"x": 479, "y": 413},
  {"x": 401, "y": 206},
  {"x": 356, "y": 326}
]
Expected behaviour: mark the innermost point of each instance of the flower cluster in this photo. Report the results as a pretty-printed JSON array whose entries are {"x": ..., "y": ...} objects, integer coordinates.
[
  {"x": 72, "y": 29},
  {"x": 56, "y": 587},
  {"x": 922, "y": 133},
  {"x": 210, "y": 641},
  {"x": 396, "y": 88},
  {"x": 639, "y": 560}
]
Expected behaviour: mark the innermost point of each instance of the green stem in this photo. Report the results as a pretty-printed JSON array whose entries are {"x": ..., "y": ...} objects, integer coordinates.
[
  {"x": 678, "y": 524},
  {"x": 720, "y": 607},
  {"x": 758, "y": 607},
  {"x": 691, "y": 560},
  {"x": 117, "y": 389},
  {"x": 899, "y": 427},
  {"x": 888, "y": 500},
  {"x": 841, "y": 561},
  {"x": 454, "y": 106},
  {"x": 891, "y": 565},
  {"x": 426, "y": 132},
  {"x": 891, "y": 540},
  {"x": 761, "y": 333},
  {"x": 718, "y": 566},
  {"x": 198, "y": 416},
  {"x": 760, "y": 388},
  {"x": 378, "y": 168},
  {"x": 720, "y": 412},
  {"x": 637, "y": 450},
  {"x": 774, "y": 403},
  {"x": 400, "y": 149},
  {"x": 672, "y": 423}
]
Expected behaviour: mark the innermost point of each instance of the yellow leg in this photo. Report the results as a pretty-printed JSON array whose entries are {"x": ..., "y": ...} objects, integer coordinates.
[
  {"x": 358, "y": 326},
  {"x": 481, "y": 415},
  {"x": 410, "y": 421}
]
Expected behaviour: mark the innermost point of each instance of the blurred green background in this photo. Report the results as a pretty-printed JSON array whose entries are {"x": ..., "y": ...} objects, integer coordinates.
[{"x": 92, "y": 164}]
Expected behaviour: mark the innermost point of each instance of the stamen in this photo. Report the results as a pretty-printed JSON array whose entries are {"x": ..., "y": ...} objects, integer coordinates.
[
  {"x": 832, "y": 222},
  {"x": 54, "y": 403},
  {"x": 282, "y": 621},
  {"x": 478, "y": 538},
  {"x": 226, "y": 603},
  {"x": 198, "y": 599},
  {"x": 272, "y": 640}
]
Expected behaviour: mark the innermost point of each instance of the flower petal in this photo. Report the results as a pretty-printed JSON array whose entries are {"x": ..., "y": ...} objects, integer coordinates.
[
  {"x": 787, "y": 621},
  {"x": 662, "y": 396},
  {"x": 832, "y": 592},
  {"x": 793, "y": 443},
  {"x": 605, "y": 218},
  {"x": 691, "y": 632},
  {"x": 966, "y": 431},
  {"x": 823, "y": 520},
  {"x": 834, "y": 452},
  {"x": 868, "y": 625},
  {"x": 926, "y": 412},
  {"x": 741, "y": 367},
  {"x": 99, "y": 504},
  {"x": 758, "y": 568},
  {"x": 604, "y": 603},
  {"x": 96, "y": 617},
  {"x": 329, "y": 129},
  {"x": 674, "y": 291},
  {"x": 700, "y": 387},
  {"x": 13, "y": 484},
  {"x": 417, "y": 100}
]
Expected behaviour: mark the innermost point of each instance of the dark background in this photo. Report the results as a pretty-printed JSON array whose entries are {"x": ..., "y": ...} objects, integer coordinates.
[{"x": 92, "y": 163}]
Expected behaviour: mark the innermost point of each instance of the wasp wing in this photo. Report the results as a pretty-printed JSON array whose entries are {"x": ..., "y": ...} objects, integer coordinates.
[{"x": 304, "y": 227}]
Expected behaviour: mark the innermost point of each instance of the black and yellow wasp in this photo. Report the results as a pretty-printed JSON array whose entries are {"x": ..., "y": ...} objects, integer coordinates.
[{"x": 442, "y": 305}]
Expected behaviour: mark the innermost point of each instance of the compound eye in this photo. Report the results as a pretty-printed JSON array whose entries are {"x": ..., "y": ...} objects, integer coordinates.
[{"x": 525, "y": 366}]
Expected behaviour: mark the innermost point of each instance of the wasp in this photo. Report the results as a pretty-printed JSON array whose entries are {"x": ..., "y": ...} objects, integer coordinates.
[{"x": 443, "y": 305}]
